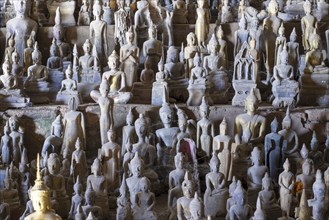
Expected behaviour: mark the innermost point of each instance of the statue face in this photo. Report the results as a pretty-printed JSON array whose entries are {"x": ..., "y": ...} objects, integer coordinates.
[
  {"x": 111, "y": 135},
  {"x": 69, "y": 74},
  {"x": 96, "y": 170},
  {"x": 240, "y": 199},
  {"x": 6, "y": 69},
  {"x": 152, "y": 33},
  {"x": 97, "y": 11},
  {"x": 179, "y": 163},
  {"x": 166, "y": 117},
  {"x": 191, "y": 40},
  {"x": 21, "y": 6},
  {"x": 286, "y": 166},
  {"x": 129, "y": 37},
  {"x": 284, "y": 59},
  {"x": 40, "y": 203},
  {"x": 86, "y": 48},
  {"x": 137, "y": 171},
  {"x": 188, "y": 189},
  {"x": 113, "y": 63},
  {"x": 251, "y": 106},
  {"x": 286, "y": 124},
  {"x": 315, "y": 44},
  {"x": 141, "y": 130},
  {"x": 53, "y": 166}
]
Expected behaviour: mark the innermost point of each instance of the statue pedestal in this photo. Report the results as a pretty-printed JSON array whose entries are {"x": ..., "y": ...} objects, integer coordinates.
[
  {"x": 159, "y": 91},
  {"x": 285, "y": 94},
  {"x": 64, "y": 98},
  {"x": 242, "y": 89},
  {"x": 220, "y": 87},
  {"x": 177, "y": 89},
  {"x": 142, "y": 93},
  {"x": 11, "y": 101},
  {"x": 314, "y": 90},
  {"x": 38, "y": 92},
  {"x": 67, "y": 9},
  {"x": 296, "y": 8},
  {"x": 88, "y": 80},
  {"x": 196, "y": 92},
  {"x": 55, "y": 78}
]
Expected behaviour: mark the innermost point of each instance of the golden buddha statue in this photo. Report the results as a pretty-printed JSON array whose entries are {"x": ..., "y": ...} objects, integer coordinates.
[{"x": 40, "y": 196}]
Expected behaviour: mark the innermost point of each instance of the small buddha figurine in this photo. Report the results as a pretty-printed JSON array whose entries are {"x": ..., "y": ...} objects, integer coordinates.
[
  {"x": 59, "y": 34},
  {"x": 123, "y": 203},
  {"x": 97, "y": 182},
  {"x": 250, "y": 121},
  {"x": 24, "y": 178},
  {"x": 127, "y": 157},
  {"x": 179, "y": 12},
  {"x": 128, "y": 132},
  {"x": 74, "y": 127},
  {"x": 17, "y": 70},
  {"x": 160, "y": 86},
  {"x": 122, "y": 20},
  {"x": 80, "y": 215},
  {"x": 165, "y": 136},
  {"x": 183, "y": 203},
  {"x": 308, "y": 23},
  {"x": 17, "y": 137},
  {"x": 273, "y": 154},
  {"x": 290, "y": 138},
  {"x": 77, "y": 198},
  {"x": 241, "y": 209},
  {"x": 84, "y": 14},
  {"x": 11, "y": 47},
  {"x": 259, "y": 214},
  {"x": 9, "y": 193},
  {"x": 28, "y": 53},
  {"x": 6, "y": 147},
  {"x": 196, "y": 207},
  {"x": 40, "y": 197},
  {"x": 173, "y": 68},
  {"x": 230, "y": 201},
  {"x": 54, "y": 62},
  {"x": 110, "y": 155},
  {"x": 145, "y": 201},
  {"x": 69, "y": 88},
  {"x": 227, "y": 13},
  {"x": 202, "y": 22},
  {"x": 147, "y": 74},
  {"x": 306, "y": 178},
  {"x": 293, "y": 51},
  {"x": 56, "y": 183},
  {"x": 241, "y": 35},
  {"x": 152, "y": 48},
  {"x": 216, "y": 194},
  {"x": 176, "y": 178},
  {"x": 79, "y": 162},
  {"x": 316, "y": 155},
  {"x": 86, "y": 63},
  {"x": 256, "y": 32},
  {"x": 189, "y": 52},
  {"x": 91, "y": 205},
  {"x": 222, "y": 144},
  {"x": 129, "y": 58},
  {"x": 214, "y": 62},
  {"x": 286, "y": 183},
  {"x": 222, "y": 51},
  {"x": 105, "y": 103},
  {"x": 205, "y": 129},
  {"x": 280, "y": 43}
]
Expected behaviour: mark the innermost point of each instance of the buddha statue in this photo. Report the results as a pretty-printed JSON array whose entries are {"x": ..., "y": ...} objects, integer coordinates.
[
  {"x": 306, "y": 178},
  {"x": 54, "y": 62},
  {"x": 122, "y": 21},
  {"x": 59, "y": 33},
  {"x": 79, "y": 162},
  {"x": 241, "y": 209},
  {"x": 22, "y": 26},
  {"x": 77, "y": 198},
  {"x": 129, "y": 58},
  {"x": 173, "y": 68},
  {"x": 160, "y": 88},
  {"x": 123, "y": 203},
  {"x": 222, "y": 145},
  {"x": 293, "y": 51},
  {"x": 98, "y": 183},
  {"x": 287, "y": 184},
  {"x": 9, "y": 193},
  {"x": 280, "y": 43},
  {"x": 74, "y": 127},
  {"x": 6, "y": 146},
  {"x": 179, "y": 12},
  {"x": 147, "y": 74},
  {"x": 40, "y": 197},
  {"x": 259, "y": 213},
  {"x": 202, "y": 22},
  {"x": 256, "y": 32},
  {"x": 128, "y": 132},
  {"x": 273, "y": 154},
  {"x": 11, "y": 47},
  {"x": 183, "y": 203},
  {"x": 116, "y": 80},
  {"x": 216, "y": 194},
  {"x": 308, "y": 23},
  {"x": 53, "y": 143},
  {"x": 222, "y": 43},
  {"x": 230, "y": 201},
  {"x": 84, "y": 14},
  {"x": 190, "y": 50},
  {"x": 145, "y": 201},
  {"x": 165, "y": 136},
  {"x": 91, "y": 205},
  {"x": 28, "y": 207},
  {"x": 213, "y": 62},
  {"x": 28, "y": 53},
  {"x": 17, "y": 137},
  {"x": 17, "y": 70},
  {"x": 227, "y": 13},
  {"x": 197, "y": 207},
  {"x": 56, "y": 183},
  {"x": 69, "y": 89},
  {"x": 105, "y": 103},
  {"x": 98, "y": 32},
  {"x": 110, "y": 155},
  {"x": 152, "y": 48},
  {"x": 241, "y": 35}
]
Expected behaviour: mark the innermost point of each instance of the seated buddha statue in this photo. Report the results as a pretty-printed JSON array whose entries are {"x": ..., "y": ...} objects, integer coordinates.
[{"x": 9, "y": 194}]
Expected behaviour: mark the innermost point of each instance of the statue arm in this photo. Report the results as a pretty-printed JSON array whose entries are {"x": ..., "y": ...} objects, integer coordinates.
[
  {"x": 95, "y": 95},
  {"x": 198, "y": 136},
  {"x": 111, "y": 113},
  {"x": 62, "y": 86},
  {"x": 153, "y": 202},
  {"x": 179, "y": 211}
]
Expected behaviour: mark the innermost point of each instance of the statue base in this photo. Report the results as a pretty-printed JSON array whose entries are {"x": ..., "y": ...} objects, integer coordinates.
[
  {"x": 142, "y": 93},
  {"x": 314, "y": 90},
  {"x": 242, "y": 89},
  {"x": 55, "y": 78},
  {"x": 220, "y": 87},
  {"x": 12, "y": 101},
  {"x": 177, "y": 89},
  {"x": 159, "y": 91},
  {"x": 196, "y": 93},
  {"x": 285, "y": 94},
  {"x": 39, "y": 93},
  {"x": 63, "y": 99},
  {"x": 67, "y": 12}
]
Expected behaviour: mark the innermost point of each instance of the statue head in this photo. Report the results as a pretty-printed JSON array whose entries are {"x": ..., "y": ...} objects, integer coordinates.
[
  {"x": 284, "y": 56},
  {"x": 141, "y": 126},
  {"x": 30, "y": 42},
  {"x": 104, "y": 88},
  {"x": 13, "y": 123},
  {"x": 204, "y": 108},
  {"x": 96, "y": 167},
  {"x": 11, "y": 41},
  {"x": 286, "y": 165},
  {"x": 120, "y": 3},
  {"x": 213, "y": 45},
  {"x": 214, "y": 163},
  {"x": 243, "y": 23},
  {"x": 36, "y": 54},
  {"x": 315, "y": 41},
  {"x": 201, "y": 3},
  {"x": 69, "y": 72},
  {"x": 307, "y": 7},
  {"x": 152, "y": 32},
  {"x": 281, "y": 30},
  {"x": 256, "y": 157},
  {"x": 145, "y": 184},
  {"x": 6, "y": 129},
  {"x": 188, "y": 185},
  {"x": 307, "y": 167},
  {"x": 166, "y": 113},
  {"x": 130, "y": 35},
  {"x": 240, "y": 195},
  {"x": 259, "y": 213},
  {"x": 274, "y": 125},
  {"x": 136, "y": 166},
  {"x": 293, "y": 35},
  {"x": 286, "y": 122},
  {"x": 232, "y": 186},
  {"x": 196, "y": 207},
  {"x": 22, "y": 7},
  {"x": 191, "y": 39},
  {"x": 251, "y": 102},
  {"x": 223, "y": 127},
  {"x": 130, "y": 117},
  {"x": 172, "y": 55},
  {"x": 314, "y": 142},
  {"x": 273, "y": 7},
  {"x": 78, "y": 144},
  {"x": 254, "y": 23},
  {"x": 6, "y": 67},
  {"x": 53, "y": 164},
  {"x": 113, "y": 60},
  {"x": 54, "y": 50},
  {"x": 77, "y": 187},
  {"x": 123, "y": 188},
  {"x": 111, "y": 135},
  {"x": 160, "y": 66},
  {"x": 15, "y": 56},
  {"x": 220, "y": 32},
  {"x": 58, "y": 29},
  {"x": 90, "y": 195},
  {"x": 179, "y": 160},
  {"x": 319, "y": 187},
  {"x": 197, "y": 61},
  {"x": 266, "y": 182},
  {"x": 87, "y": 47},
  {"x": 97, "y": 9},
  {"x": 182, "y": 119}
]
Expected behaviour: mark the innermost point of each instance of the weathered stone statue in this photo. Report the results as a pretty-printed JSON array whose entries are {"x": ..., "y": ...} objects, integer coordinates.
[
  {"x": 9, "y": 193},
  {"x": 40, "y": 197},
  {"x": 56, "y": 183},
  {"x": 147, "y": 74},
  {"x": 152, "y": 48},
  {"x": 17, "y": 69},
  {"x": 59, "y": 34},
  {"x": 6, "y": 147},
  {"x": 84, "y": 14},
  {"x": 78, "y": 162},
  {"x": 280, "y": 43},
  {"x": 202, "y": 22},
  {"x": 122, "y": 20},
  {"x": 74, "y": 127},
  {"x": 173, "y": 68},
  {"x": 123, "y": 203},
  {"x": 17, "y": 137},
  {"x": 284, "y": 87},
  {"x": 21, "y": 27},
  {"x": 105, "y": 103},
  {"x": 241, "y": 35},
  {"x": 273, "y": 154},
  {"x": 316, "y": 155},
  {"x": 129, "y": 57},
  {"x": 183, "y": 203},
  {"x": 28, "y": 53},
  {"x": 308, "y": 23},
  {"x": 216, "y": 194},
  {"x": 241, "y": 209},
  {"x": 197, "y": 207},
  {"x": 77, "y": 198},
  {"x": 227, "y": 13},
  {"x": 189, "y": 52},
  {"x": 98, "y": 32},
  {"x": 90, "y": 205},
  {"x": 222, "y": 51},
  {"x": 293, "y": 51},
  {"x": 145, "y": 201},
  {"x": 54, "y": 62},
  {"x": 256, "y": 32},
  {"x": 286, "y": 183},
  {"x": 97, "y": 182},
  {"x": 165, "y": 136},
  {"x": 179, "y": 12},
  {"x": 160, "y": 88},
  {"x": 54, "y": 141},
  {"x": 306, "y": 178},
  {"x": 128, "y": 132},
  {"x": 11, "y": 47},
  {"x": 110, "y": 157}
]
